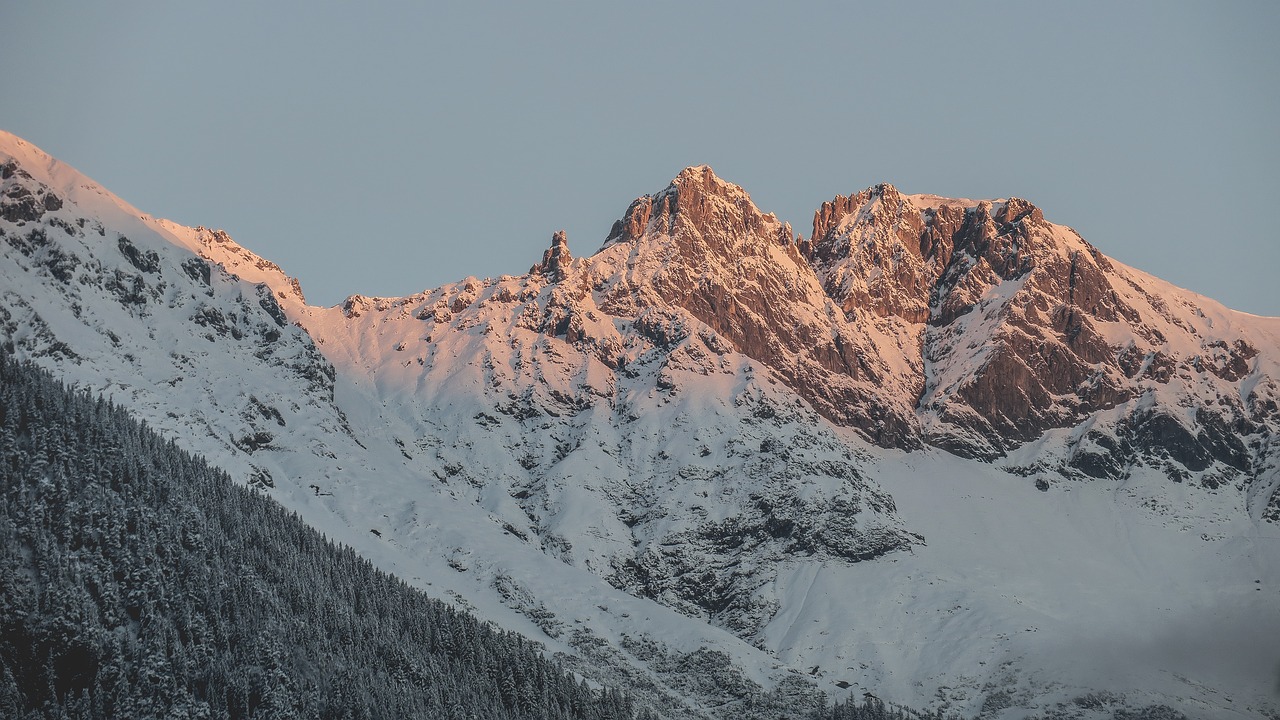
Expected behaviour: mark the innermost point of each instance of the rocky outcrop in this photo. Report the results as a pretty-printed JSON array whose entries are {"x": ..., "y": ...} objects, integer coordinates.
[
  {"x": 18, "y": 204},
  {"x": 217, "y": 246},
  {"x": 972, "y": 326},
  {"x": 556, "y": 259},
  {"x": 1039, "y": 297},
  {"x": 702, "y": 246},
  {"x": 721, "y": 213},
  {"x": 869, "y": 249}
]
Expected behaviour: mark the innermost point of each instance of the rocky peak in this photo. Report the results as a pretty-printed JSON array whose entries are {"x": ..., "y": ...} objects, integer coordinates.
[
  {"x": 699, "y": 200},
  {"x": 217, "y": 246},
  {"x": 556, "y": 259},
  {"x": 902, "y": 256},
  {"x": 975, "y": 326},
  {"x": 701, "y": 249},
  {"x": 832, "y": 214},
  {"x": 1004, "y": 234},
  {"x": 868, "y": 249},
  {"x": 1015, "y": 210}
]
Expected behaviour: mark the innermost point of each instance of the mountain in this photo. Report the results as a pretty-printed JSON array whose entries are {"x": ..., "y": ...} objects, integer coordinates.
[{"x": 942, "y": 449}]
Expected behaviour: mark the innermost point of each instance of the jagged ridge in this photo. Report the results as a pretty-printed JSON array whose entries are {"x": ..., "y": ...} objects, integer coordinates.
[{"x": 973, "y": 326}]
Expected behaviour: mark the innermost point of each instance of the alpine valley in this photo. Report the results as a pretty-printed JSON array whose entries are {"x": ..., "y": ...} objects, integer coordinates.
[{"x": 941, "y": 450}]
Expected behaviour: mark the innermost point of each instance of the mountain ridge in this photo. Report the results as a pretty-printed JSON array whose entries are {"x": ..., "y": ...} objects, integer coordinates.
[
  {"x": 916, "y": 271},
  {"x": 685, "y": 441}
]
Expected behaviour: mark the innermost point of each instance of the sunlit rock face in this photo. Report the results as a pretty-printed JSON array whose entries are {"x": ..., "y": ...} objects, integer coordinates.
[
  {"x": 1021, "y": 327},
  {"x": 702, "y": 248}
]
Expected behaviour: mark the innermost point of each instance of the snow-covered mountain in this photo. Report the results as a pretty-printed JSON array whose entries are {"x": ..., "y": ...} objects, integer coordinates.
[{"x": 944, "y": 450}]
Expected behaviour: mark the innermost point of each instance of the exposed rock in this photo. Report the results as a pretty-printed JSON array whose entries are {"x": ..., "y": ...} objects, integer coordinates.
[
  {"x": 197, "y": 269},
  {"x": 18, "y": 204},
  {"x": 1005, "y": 309},
  {"x": 555, "y": 261},
  {"x": 702, "y": 246},
  {"x": 975, "y": 326},
  {"x": 147, "y": 262},
  {"x": 869, "y": 250},
  {"x": 218, "y": 247}
]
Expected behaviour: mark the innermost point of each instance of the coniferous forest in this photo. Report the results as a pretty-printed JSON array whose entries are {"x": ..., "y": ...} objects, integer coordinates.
[{"x": 136, "y": 581}]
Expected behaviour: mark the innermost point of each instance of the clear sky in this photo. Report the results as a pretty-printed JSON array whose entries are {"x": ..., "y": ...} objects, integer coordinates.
[{"x": 385, "y": 148}]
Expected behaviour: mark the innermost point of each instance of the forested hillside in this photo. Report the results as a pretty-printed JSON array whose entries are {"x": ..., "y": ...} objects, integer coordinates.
[{"x": 136, "y": 581}]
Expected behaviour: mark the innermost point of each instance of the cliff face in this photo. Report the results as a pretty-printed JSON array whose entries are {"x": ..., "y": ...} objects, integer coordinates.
[
  {"x": 1024, "y": 328},
  {"x": 998, "y": 300},
  {"x": 701, "y": 247},
  {"x": 977, "y": 327}
]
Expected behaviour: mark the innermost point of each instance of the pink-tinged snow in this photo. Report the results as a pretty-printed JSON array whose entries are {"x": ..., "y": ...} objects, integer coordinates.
[
  {"x": 1190, "y": 321},
  {"x": 1049, "y": 595},
  {"x": 924, "y": 201}
]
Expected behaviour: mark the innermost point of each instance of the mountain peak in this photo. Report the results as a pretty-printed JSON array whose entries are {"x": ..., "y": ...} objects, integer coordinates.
[
  {"x": 827, "y": 217},
  {"x": 701, "y": 176},
  {"x": 697, "y": 184},
  {"x": 556, "y": 258},
  {"x": 698, "y": 200}
]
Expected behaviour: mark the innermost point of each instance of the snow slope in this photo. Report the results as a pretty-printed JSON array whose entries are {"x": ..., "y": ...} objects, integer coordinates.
[
  {"x": 678, "y": 459},
  {"x": 1033, "y": 599}
]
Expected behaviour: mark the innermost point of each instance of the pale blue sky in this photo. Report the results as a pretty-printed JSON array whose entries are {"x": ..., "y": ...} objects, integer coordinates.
[{"x": 384, "y": 150}]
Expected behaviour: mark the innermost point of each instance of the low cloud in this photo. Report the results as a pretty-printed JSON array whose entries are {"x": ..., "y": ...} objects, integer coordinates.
[{"x": 1228, "y": 648}]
